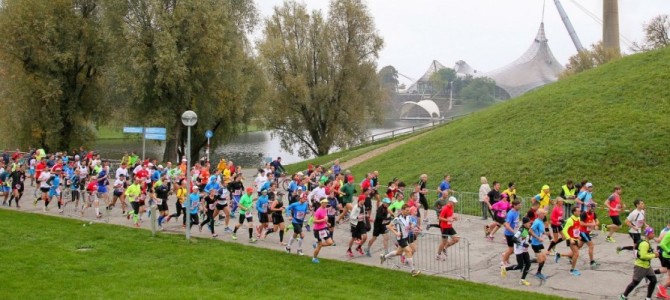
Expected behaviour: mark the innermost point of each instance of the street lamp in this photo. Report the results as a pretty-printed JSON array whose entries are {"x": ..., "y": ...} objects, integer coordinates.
[{"x": 188, "y": 118}]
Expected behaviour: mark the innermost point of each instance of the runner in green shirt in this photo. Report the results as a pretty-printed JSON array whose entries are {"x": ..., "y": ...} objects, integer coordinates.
[
  {"x": 132, "y": 194},
  {"x": 642, "y": 267},
  {"x": 347, "y": 191},
  {"x": 246, "y": 213}
]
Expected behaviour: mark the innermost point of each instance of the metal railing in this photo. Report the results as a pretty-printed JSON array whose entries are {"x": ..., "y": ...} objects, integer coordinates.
[
  {"x": 456, "y": 263},
  {"x": 405, "y": 130}
]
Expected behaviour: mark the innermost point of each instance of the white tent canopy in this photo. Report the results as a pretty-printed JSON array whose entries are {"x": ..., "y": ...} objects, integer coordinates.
[{"x": 428, "y": 106}]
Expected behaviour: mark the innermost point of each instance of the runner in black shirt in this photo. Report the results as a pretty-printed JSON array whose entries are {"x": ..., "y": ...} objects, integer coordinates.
[
  {"x": 17, "y": 177},
  {"x": 382, "y": 219}
]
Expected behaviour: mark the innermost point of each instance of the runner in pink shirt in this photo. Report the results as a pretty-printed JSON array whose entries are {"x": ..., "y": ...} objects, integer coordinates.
[{"x": 321, "y": 232}]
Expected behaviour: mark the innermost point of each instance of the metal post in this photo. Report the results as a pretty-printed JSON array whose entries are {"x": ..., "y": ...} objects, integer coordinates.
[
  {"x": 188, "y": 183},
  {"x": 207, "y": 149},
  {"x": 144, "y": 142}
]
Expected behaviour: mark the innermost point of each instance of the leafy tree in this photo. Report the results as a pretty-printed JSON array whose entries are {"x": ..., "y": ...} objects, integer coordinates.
[
  {"x": 323, "y": 70},
  {"x": 657, "y": 34},
  {"x": 389, "y": 78},
  {"x": 175, "y": 56},
  {"x": 589, "y": 59},
  {"x": 479, "y": 91},
  {"x": 441, "y": 79},
  {"x": 51, "y": 55}
]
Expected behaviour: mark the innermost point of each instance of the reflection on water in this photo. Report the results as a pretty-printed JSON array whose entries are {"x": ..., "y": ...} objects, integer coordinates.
[{"x": 243, "y": 149}]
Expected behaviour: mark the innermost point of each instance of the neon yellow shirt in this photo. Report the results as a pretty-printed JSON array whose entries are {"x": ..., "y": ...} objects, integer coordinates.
[{"x": 133, "y": 192}]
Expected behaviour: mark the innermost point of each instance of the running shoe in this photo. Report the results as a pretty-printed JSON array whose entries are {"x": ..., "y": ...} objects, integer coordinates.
[
  {"x": 610, "y": 239},
  {"x": 402, "y": 259},
  {"x": 540, "y": 276},
  {"x": 415, "y": 273},
  {"x": 35, "y": 203},
  {"x": 307, "y": 227},
  {"x": 594, "y": 265},
  {"x": 315, "y": 260},
  {"x": 200, "y": 227},
  {"x": 367, "y": 253},
  {"x": 300, "y": 252},
  {"x": 252, "y": 240},
  {"x": 440, "y": 258},
  {"x": 349, "y": 253},
  {"x": 558, "y": 256},
  {"x": 662, "y": 292},
  {"x": 524, "y": 282},
  {"x": 168, "y": 219},
  {"x": 234, "y": 236},
  {"x": 503, "y": 272},
  {"x": 618, "y": 250},
  {"x": 287, "y": 249},
  {"x": 575, "y": 272},
  {"x": 382, "y": 259},
  {"x": 427, "y": 227},
  {"x": 603, "y": 228},
  {"x": 227, "y": 229},
  {"x": 622, "y": 297},
  {"x": 360, "y": 251},
  {"x": 490, "y": 238},
  {"x": 60, "y": 211}
]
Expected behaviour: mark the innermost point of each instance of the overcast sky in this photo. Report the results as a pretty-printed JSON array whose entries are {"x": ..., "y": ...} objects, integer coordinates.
[{"x": 487, "y": 34}]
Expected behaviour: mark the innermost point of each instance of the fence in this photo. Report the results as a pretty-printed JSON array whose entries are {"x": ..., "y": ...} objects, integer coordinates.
[
  {"x": 406, "y": 130},
  {"x": 468, "y": 204},
  {"x": 456, "y": 264}
]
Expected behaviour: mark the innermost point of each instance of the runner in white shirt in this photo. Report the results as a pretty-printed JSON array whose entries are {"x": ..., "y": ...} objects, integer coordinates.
[
  {"x": 260, "y": 180},
  {"x": 122, "y": 170},
  {"x": 636, "y": 222},
  {"x": 400, "y": 227}
]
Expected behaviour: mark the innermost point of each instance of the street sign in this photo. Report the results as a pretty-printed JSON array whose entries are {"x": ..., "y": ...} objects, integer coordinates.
[
  {"x": 132, "y": 129},
  {"x": 154, "y": 136},
  {"x": 209, "y": 134},
  {"x": 156, "y": 130}
]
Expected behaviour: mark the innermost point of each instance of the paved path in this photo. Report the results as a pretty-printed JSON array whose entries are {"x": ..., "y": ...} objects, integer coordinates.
[
  {"x": 605, "y": 283},
  {"x": 381, "y": 150}
]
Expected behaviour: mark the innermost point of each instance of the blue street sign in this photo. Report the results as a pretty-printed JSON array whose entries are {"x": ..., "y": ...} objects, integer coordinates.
[
  {"x": 132, "y": 129},
  {"x": 156, "y": 130},
  {"x": 209, "y": 134},
  {"x": 154, "y": 136}
]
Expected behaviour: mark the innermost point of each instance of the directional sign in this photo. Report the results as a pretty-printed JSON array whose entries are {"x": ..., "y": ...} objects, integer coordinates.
[
  {"x": 209, "y": 134},
  {"x": 132, "y": 129},
  {"x": 156, "y": 130},
  {"x": 154, "y": 136}
]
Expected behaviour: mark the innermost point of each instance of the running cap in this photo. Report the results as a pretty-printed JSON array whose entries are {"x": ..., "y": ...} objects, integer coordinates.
[
  {"x": 160, "y": 166},
  {"x": 195, "y": 188},
  {"x": 323, "y": 200},
  {"x": 250, "y": 189},
  {"x": 386, "y": 200},
  {"x": 648, "y": 231},
  {"x": 453, "y": 199},
  {"x": 588, "y": 185},
  {"x": 545, "y": 187}
]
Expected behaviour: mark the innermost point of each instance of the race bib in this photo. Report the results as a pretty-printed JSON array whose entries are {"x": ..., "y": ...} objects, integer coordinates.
[
  {"x": 575, "y": 232},
  {"x": 248, "y": 214},
  {"x": 332, "y": 211},
  {"x": 237, "y": 192},
  {"x": 502, "y": 214},
  {"x": 212, "y": 206},
  {"x": 323, "y": 234},
  {"x": 265, "y": 207},
  {"x": 300, "y": 215},
  {"x": 223, "y": 202}
]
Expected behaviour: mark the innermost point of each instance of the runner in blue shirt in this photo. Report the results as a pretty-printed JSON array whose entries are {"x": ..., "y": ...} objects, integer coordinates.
[
  {"x": 297, "y": 212},
  {"x": 510, "y": 227},
  {"x": 536, "y": 232},
  {"x": 262, "y": 208}
]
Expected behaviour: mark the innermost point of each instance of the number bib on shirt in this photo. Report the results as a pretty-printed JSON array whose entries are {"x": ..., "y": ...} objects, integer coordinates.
[
  {"x": 300, "y": 215},
  {"x": 323, "y": 234},
  {"x": 248, "y": 214},
  {"x": 576, "y": 232}
]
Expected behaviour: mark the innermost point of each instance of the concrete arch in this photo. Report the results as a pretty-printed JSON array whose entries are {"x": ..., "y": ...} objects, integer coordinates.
[{"x": 428, "y": 106}]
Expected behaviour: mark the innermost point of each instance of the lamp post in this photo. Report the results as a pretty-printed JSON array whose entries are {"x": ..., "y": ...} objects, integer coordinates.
[{"x": 188, "y": 118}]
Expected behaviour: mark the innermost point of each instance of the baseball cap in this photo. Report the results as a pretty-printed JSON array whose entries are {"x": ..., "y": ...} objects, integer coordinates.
[
  {"x": 250, "y": 189},
  {"x": 545, "y": 187},
  {"x": 588, "y": 185},
  {"x": 453, "y": 199},
  {"x": 300, "y": 174},
  {"x": 160, "y": 166},
  {"x": 648, "y": 231},
  {"x": 386, "y": 200},
  {"x": 299, "y": 188},
  {"x": 195, "y": 188}
]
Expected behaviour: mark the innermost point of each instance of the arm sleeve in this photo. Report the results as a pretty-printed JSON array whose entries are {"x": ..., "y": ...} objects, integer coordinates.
[{"x": 643, "y": 250}]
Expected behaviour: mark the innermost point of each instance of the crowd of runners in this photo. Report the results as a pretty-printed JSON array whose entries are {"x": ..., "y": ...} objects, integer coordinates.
[{"x": 321, "y": 200}]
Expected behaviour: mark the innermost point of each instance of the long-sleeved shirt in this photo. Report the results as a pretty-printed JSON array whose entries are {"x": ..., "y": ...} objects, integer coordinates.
[
  {"x": 262, "y": 204},
  {"x": 645, "y": 255}
]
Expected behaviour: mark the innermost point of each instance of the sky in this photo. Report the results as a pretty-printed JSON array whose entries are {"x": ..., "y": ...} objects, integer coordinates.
[{"x": 487, "y": 34}]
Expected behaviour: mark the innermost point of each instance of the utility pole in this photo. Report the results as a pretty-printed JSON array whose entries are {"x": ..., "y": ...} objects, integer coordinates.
[{"x": 611, "y": 25}]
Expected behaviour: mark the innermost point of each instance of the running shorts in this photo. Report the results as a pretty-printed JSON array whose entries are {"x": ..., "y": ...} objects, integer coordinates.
[
  {"x": 537, "y": 248},
  {"x": 403, "y": 243},
  {"x": 379, "y": 229},
  {"x": 510, "y": 240},
  {"x": 556, "y": 228},
  {"x": 585, "y": 237},
  {"x": 448, "y": 232},
  {"x": 615, "y": 220}
]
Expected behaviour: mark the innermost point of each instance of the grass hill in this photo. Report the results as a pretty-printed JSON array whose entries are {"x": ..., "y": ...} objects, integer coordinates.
[
  {"x": 609, "y": 125},
  {"x": 54, "y": 258}
]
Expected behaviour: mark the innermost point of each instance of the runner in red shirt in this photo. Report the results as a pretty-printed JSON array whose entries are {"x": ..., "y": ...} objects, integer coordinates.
[
  {"x": 614, "y": 205},
  {"x": 557, "y": 220},
  {"x": 39, "y": 168},
  {"x": 447, "y": 219},
  {"x": 588, "y": 221}
]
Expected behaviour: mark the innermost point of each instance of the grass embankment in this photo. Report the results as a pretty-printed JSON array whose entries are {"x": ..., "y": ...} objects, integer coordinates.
[
  {"x": 609, "y": 125},
  {"x": 41, "y": 260}
]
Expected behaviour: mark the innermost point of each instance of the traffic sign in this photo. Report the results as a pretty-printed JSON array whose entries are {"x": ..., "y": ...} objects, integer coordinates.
[
  {"x": 156, "y": 130},
  {"x": 154, "y": 136},
  {"x": 132, "y": 129},
  {"x": 209, "y": 134}
]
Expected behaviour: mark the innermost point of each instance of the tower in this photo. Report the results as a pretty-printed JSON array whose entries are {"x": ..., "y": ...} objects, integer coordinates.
[{"x": 611, "y": 25}]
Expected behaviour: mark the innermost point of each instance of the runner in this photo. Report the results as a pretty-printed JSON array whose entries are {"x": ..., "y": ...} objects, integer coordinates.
[
  {"x": 277, "y": 210},
  {"x": 161, "y": 193},
  {"x": 382, "y": 219},
  {"x": 194, "y": 197},
  {"x": 120, "y": 186},
  {"x": 422, "y": 196},
  {"x": 447, "y": 219},
  {"x": 572, "y": 235},
  {"x": 296, "y": 213},
  {"x": 614, "y": 205},
  {"x": 557, "y": 221},
  {"x": 179, "y": 204},
  {"x": 210, "y": 205},
  {"x": 358, "y": 230},
  {"x": 321, "y": 232},
  {"x": 544, "y": 197},
  {"x": 222, "y": 199},
  {"x": 262, "y": 209},
  {"x": 499, "y": 213},
  {"x": 569, "y": 193},
  {"x": 536, "y": 242},
  {"x": 585, "y": 196},
  {"x": 439, "y": 204},
  {"x": 236, "y": 187},
  {"x": 133, "y": 193},
  {"x": 521, "y": 243},
  {"x": 664, "y": 255},
  {"x": 348, "y": 190},
  {"x": 589, "y": 221},
  {"x": 511, "y": 221},
  {"x": 332, "y": 213},
  {"x": 400, "y": 228},
  {"x": 642, "y": 267},
  {"x": 636, "y": 222},
  {"x": 44, "y": 177},
  {"x": 246, "y": 213},
  {"x": 17, "y": 177}
]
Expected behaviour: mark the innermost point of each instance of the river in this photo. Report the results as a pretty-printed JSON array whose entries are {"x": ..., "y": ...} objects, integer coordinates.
[{"x": 243, "y": 149}]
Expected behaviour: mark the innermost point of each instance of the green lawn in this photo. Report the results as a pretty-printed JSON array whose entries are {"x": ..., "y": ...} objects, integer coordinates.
[{"x": 40, "y": 260}]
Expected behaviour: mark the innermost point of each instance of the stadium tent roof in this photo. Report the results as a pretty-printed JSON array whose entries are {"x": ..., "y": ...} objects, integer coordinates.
[
  {"x": 463, "y": 69},
  {"x": 535, "y": 68},
  {"x": 428, "y": 106},
  {"x": 434, "y": 67}
]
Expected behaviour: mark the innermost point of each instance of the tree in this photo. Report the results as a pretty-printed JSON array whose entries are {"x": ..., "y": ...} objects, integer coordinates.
[
  {"x": 589, "y": 59},
  {"x": 441, "y": 79},
  {"x": 389, "y": 78},
  {"x": 479, "y": 91},
  {"x": 175, "y": 56},
  {"x": 657, "y": 34},
  {"x": 52, "y": 54},
  {"x": 323, "y": 71}
]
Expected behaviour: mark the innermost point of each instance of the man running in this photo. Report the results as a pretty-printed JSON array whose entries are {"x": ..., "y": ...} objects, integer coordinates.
[
  {"x": 636, "y": 222},
  {"x": 246, "y": 213},
  {"x": 557, "y": 221},
  {"x": 614, "y": 205},
  {"x": 321, "y": 232},
  {"x": 400, "y": 228},
  {"x": 132, "y": 194},
  {"x": 588, "y": 222},
  {"x": 521, "y": 244},
  {"x": 642, "y": 267},
  {"x": 382, "y": 219},
  {"x": 296, "y": 213},
  {"x": 357, "y": 220},
  {"x": 572, "y": 235},
  {"x": 511, "y": 221},
  {"x": 447, "y": 219},
  {"x": 536, "y": 242}
]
